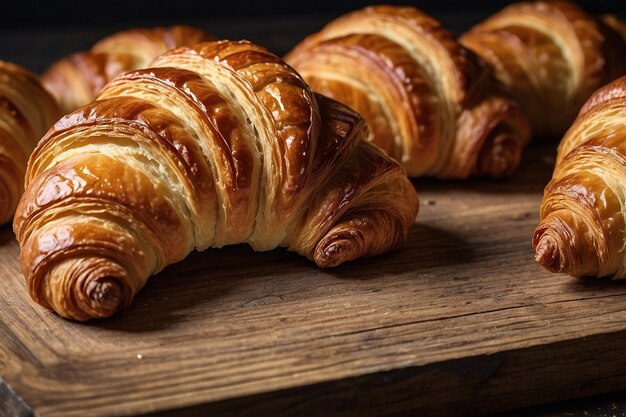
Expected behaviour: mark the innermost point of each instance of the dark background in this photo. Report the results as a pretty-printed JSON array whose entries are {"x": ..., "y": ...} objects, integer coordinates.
[
  {"x": 28, "y": 13},
  {"x": 35, "y": 33}
]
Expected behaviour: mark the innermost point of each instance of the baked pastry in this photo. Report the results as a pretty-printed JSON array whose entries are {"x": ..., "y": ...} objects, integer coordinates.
[
  {"x": 550, "y": 56},
  {"x": 26, "y": 112},
  {"x": 583, "y": 211},
  {"x": 428, "y": 101},
  {"x": 216, "y": 144},
  {"x": 77, "y": 79}
]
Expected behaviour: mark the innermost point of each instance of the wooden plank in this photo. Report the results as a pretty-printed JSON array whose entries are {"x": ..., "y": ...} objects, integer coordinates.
[{"x": 458, "y": 322}]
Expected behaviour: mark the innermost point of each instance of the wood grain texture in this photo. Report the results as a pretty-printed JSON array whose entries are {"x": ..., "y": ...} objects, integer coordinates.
[{"x": 461, "y": 321}]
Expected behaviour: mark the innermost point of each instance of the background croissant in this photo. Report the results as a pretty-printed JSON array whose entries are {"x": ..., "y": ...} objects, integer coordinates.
[
  {"x": 550, "y": 56},
  {"x": 26, "y": 112},
  {"x": 77, "y": 79},
  {"x": 428, "y": 102},
  {"x": 583, "y": 212},
  {"x": 217, "y": 144}
]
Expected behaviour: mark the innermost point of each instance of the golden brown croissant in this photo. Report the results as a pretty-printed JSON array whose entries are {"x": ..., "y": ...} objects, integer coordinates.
[
  {"x": 428, "y": 102},
  {"x": 77, "y": 79},
  {"x": 550, "y": 56},
  {"x": 583, "y": 210},
  {"x": 26, "y": 112},
  {"x": 217, "y": 144}
]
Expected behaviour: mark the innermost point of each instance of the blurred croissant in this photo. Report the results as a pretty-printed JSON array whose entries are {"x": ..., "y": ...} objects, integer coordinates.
[
  {"x": 77, "y": 79},
  {"x": 428, "y": 101},
  {"x": 583, "y": 212},
  {"x": 26, "y": 112},
  {"x": 217, "y": 144},
  {"x": 550, "y": 56}
]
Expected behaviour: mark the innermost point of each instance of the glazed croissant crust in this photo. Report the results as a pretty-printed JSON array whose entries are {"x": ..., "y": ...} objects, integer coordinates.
[
  {"x": 550, "y": 56},
  {"x": 583, "y": 211},
  {"x": 427, "y": 101},
  {"x": 77, "y": 79},
  {"x": 26, "y": 112},
  {"x": 217, "y": 144}
]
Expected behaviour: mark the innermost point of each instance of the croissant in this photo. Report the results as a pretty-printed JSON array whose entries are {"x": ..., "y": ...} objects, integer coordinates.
[
  {"x": 77, "y": 79},
  {"x": 583, "y": 211},
  {"x": 550, "y": 56},
  {"x": 428, "y": 102},
  {"x": 26, "y": 112},
  {"x": 217, "y": 144}
]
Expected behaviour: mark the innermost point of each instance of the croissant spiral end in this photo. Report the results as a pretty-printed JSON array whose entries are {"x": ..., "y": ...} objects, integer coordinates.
[
  {"x": 499, "y": 157},
  {"x": 95, "y": 284},
  {"x": 337, "y": 249},
  {"x": 547, "y": 252},
  {"x": 562, "y": 244},
  {"x": 104, "y": 294}
]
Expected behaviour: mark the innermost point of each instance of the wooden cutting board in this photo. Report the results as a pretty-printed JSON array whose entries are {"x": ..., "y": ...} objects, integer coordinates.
[{"x": 458, "y": 322}]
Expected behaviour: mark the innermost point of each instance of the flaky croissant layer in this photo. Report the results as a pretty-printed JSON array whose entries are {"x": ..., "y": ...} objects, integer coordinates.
[
  {"x": 217, "y": 144},
  {"x": 550, "y": 56},
  {"x": 427, "y": 100},
  {"x": 583, "y": 228},
  {"x": 77, "y": 79},
  {"x": 26, "y": 112}
]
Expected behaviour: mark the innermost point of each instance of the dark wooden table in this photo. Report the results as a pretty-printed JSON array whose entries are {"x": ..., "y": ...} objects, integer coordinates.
[{"x": 460, "y": 321}]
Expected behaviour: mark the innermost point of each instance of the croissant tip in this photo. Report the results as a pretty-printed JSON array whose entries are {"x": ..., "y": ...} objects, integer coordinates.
[
  {"x": 336, "y": 253},
  {"x": 548, "y": 254},
  {"x": 104, "y": 296},
  {"x": 500, "y": 159}
]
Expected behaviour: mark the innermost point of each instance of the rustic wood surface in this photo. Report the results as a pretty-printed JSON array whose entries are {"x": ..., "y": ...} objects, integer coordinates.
[{"x": 460, "y": 321}]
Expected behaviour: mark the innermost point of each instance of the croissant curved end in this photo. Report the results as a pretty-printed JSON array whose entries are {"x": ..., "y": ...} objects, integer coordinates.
[
  {"x": 560, "y": 246},
  {"x": 547, "y": 252},
  {"x": 104, "y": 294},
  {"x": 96, "y": 286},
  {"x": 334, "y": 250},
  {"x": 499, "y": 156}
]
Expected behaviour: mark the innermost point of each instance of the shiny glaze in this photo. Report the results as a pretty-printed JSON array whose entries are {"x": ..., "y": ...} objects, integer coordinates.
[
  {"x": 26, "y": 111},
  {"x": 402, "y": 63},
  {"x": 234, "y": 164},
  {"x": 394, "y": 72},
  {"x": 77, "y": 79},
  {"x": 285, "y": 96},
  {"x": 550, "y": 56},
  {"x": 410, "y": 26},
  {"x": 583, "y": 222},
  {"x": 168, "y": 160}
]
